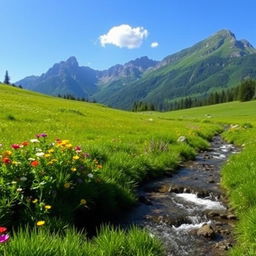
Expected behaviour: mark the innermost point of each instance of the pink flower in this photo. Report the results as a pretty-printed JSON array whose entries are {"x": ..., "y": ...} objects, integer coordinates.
[
  {"x": 15, "y": 146},
  {"x": 41, "y": 135},
  {"x": 4, "y": 238}
]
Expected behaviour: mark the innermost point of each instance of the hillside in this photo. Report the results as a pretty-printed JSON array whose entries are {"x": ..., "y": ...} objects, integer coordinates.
[{"x": 218, "y": 62}]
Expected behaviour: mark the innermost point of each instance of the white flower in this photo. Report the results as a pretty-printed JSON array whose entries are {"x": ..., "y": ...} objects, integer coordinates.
[
  {"x": 23, "y": 178},
  {"x": 39, "y": 150},
  {"x": 31, "y": 159},
  {"x": 40, "y": 154},
  {"x": 14, "y": 182},
  {"x": 19, "y": 189},
  {"x": 34, "y": 141},
  {"x": 90, "y": 175}
]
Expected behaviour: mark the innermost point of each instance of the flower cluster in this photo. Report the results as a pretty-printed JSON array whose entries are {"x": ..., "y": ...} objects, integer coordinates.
[
  {"x": 4, "y": 237},
  {"x": 36, "y": 175}
]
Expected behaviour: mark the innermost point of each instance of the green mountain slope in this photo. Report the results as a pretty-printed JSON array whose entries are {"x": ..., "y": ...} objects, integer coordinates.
[{"x": 217, "y": 62}]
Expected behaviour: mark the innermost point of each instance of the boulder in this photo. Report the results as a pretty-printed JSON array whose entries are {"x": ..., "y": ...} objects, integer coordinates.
[{"x": 206, "y": 231}]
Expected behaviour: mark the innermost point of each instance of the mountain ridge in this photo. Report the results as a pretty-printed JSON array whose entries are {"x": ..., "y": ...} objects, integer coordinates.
[{"x": 216, "y": 62}]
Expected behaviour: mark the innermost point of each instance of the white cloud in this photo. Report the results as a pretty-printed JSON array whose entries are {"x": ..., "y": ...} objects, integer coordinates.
[
  {"x": 154, "y": 44},
  {"x": 124, "y": 36}
]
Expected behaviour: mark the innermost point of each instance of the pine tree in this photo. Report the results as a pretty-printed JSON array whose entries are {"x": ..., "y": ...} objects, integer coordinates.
[{"x": 6, "y": 78}]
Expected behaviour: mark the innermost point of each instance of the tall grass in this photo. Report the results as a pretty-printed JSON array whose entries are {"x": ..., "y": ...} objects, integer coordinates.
[{"x": 109, "y": 242}]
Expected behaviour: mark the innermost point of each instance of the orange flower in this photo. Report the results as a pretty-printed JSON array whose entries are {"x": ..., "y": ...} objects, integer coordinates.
[
  {"x": 25, "y": 143},
  {"x": 34, "y": 163},
  {"x": 6, "y": 160}
]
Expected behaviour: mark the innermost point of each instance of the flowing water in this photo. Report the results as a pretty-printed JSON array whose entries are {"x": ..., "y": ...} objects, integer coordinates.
[{"x": 187, "y": 211}]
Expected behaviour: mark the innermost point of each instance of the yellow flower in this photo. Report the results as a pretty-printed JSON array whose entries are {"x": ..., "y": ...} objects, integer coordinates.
[
  {"x": 69, "y": 146},
  {"x": 35, "y": 201},
  {"x": 83, "y": 201},
  {"x": 40, "y": 223},
  {"x": 8, "y": 153},
  {"x": 16, "y": 163},
  {"x": 76, "y": 157},
  {"x": 47, "y": 155},
  {"x": 73, "y": 169},
  {"x": 51, "y": 150},
  {"x": 64, "y": 142},
  {"x": 48, "y": 207},
  {"x": 67, "y": 185}
]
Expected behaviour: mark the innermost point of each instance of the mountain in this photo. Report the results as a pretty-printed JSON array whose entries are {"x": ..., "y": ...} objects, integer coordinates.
[
  {"x": 217, "y": 62},
  {"x": 67, "y": 77}
]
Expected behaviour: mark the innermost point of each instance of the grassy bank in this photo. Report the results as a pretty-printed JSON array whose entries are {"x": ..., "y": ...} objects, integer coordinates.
[
  {"x": 54, "y": 183},
  {"x": 239, "y": 174}
]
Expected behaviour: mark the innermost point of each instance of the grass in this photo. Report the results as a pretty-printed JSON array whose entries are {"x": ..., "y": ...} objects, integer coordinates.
[
  {"x": 130, "y": 147},
  {"x": 109, "y": 242},
  {"x": 239, "y": 173}
]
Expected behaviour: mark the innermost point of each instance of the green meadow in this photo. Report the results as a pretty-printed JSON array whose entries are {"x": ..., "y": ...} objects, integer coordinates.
[
  {"x": 43, "y": 185},
  {"x": 128, "y": 148}
]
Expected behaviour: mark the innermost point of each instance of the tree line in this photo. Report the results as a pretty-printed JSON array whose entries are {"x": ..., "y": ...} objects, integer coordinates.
[{"x": 245, "y": 91}]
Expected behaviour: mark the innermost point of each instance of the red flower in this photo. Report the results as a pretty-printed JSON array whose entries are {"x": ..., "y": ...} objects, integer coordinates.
[
  {"x": 34, "y": 163},
  {"x": 77, "y": 148},
  {"x": 6, "y": 160},
  {"x": 3, "y": 230},
  {"x": 15, "y": 146}
]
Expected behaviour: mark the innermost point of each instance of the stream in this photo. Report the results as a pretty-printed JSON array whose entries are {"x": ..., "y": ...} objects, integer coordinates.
[{"x": 187, "y": 211}]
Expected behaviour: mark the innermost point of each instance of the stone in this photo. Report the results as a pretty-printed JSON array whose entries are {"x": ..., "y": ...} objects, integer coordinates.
[
  {"x": 145, "y": 200},
  {"x": 206, "y": 231}
]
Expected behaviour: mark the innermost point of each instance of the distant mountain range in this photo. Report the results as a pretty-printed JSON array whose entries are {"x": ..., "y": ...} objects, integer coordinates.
[{"x": 217, "y": 62}]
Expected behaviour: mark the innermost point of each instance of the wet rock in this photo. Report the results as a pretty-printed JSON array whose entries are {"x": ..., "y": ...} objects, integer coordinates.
[
  {"x": 231, "y": 217},
  {"x": 164, "y": 188},
  {"x": 213, "y": 214},
  {"x": 224, "y": 245},
  {"x": 145, "y": 200},
  {"x": 206, "y": 231},
  {"x": 176, "y": 189},
  {"x": 211, "y": 181}
]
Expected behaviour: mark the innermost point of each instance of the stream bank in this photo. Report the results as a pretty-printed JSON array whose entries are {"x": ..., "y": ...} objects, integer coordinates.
[{"x": 188, "y": 211}]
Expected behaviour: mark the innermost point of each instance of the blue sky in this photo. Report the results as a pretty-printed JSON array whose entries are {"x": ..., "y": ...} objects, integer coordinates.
[{"x": 35, "y": 34}]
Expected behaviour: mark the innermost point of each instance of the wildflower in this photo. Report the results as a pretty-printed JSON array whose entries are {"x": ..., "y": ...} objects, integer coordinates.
[
  {"x": 83, "y": 201},
  {"x": 35, "y": 201},
  {"x": 75, "y": 157},
  {"x": 90, "y": 175},
  {"x": 19, "y": 189},
  {"x": 69, "y": 145},
  {"x": 40, "y": 223},
  {"x": 15, "y": 146},
  {"x": 8, "y": 153},
  {"x": 25, "y": 143},
  {"x": 23, "y": 178},
  {"x": 4, "y": 238},
  {"x": 6, "y": 160},
  {"x": 34, "y": 141},
  {"x": 51, "y": 150},
  {"x": 40, "y": 154},
  {"x": 16, "y": 163},
  {"x": 78, "y": 149},
  {"x": 73, "y": 169},
  {"x": 34, "y": 163},
  {"x": 14, "y": 182},
  {"x": 3, "y": 230},
  {"x": 99, "y": 166},
  {"x": 41, "y": 135},
  {"x": 47, "y": 155},
  {"x": 67, "y": 185},
  {"x": 39, "y": 150},
  {"x": 31, "y": 159},
  {"x": 48, "y": 207}
]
